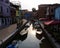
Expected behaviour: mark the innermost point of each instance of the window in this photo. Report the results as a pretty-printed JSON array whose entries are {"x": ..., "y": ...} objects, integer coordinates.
[
  {"x": 1, "y": 0},
  {"x": 7, "y": 1},
  {"x": 1, "y": 9},
  {"x": 7, "y": 10},
  {"x": 47, "y": 13},
  {"x": 52, "y": 10}
]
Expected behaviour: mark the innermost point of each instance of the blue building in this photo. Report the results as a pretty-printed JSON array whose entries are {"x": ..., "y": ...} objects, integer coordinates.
[
  {"x": 27, "y": 15},
  {"x": 4, "y": 12},
  {"x": 57, "y": 13}
]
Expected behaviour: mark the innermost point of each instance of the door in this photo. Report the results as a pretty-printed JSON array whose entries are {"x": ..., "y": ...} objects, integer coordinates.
[{"x": 57, "y": 13}]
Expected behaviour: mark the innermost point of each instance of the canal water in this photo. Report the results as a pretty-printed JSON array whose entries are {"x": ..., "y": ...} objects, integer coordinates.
[{"x": 31, "y": 38}]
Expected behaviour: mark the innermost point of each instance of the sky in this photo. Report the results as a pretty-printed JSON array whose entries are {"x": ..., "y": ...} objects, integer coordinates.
[{"x": 29, "y": 4}]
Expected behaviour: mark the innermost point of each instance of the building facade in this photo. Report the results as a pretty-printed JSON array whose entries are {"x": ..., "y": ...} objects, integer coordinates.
[
  {"x": 42, "y": 10},
  {"x": 13, "y": 12},
  {"x": 28, "y": 15},
  {"x": 47, "y": 10},
  {"x": 5, "y": 12}
]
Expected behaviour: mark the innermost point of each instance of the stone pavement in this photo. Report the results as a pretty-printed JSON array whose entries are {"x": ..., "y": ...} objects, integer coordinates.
[
  {"x": 4, "y": 33},
  {"x": 9, "y": 31}
]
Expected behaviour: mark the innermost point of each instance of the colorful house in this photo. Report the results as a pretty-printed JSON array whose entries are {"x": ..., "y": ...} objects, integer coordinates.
[
  {"x": 47, "y": 10},
  {"x": 4, "y": 12},
  {"x": 28, "y": 15},
  {"x": 13, "y": 12}
]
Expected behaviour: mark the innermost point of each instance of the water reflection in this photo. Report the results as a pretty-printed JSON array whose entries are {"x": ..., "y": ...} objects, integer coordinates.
[
  {"x": 23, "y": 37},
  {"x": 39, "y": 36},
  {"x": 23, "y": 34},
  {"x": 31, "y": 39}
]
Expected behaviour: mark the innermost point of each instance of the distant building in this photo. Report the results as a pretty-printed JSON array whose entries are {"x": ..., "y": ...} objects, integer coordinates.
[
  {"x": 23, "y": 12},
  {"x": 28, "y": 15},
  {"x": 4, "y": 12},
  {"x": 16, "y": 14},
  {"x": 42, "y": 10},
  {"x": 13, "y": 9}
]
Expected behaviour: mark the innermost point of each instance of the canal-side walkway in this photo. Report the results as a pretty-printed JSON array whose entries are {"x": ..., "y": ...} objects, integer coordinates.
[{"x": 9, "y": 32}]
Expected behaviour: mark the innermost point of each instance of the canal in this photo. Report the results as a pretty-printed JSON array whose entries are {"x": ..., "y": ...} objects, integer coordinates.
[{"x": 31, "y": 38}]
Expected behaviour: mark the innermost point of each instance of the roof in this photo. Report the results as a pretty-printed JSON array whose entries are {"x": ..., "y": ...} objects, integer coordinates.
[{"x": 11, "y": 4}]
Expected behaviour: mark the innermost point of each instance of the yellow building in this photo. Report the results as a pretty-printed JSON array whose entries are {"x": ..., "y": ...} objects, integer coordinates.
[{"x": 17, "y": 12}]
